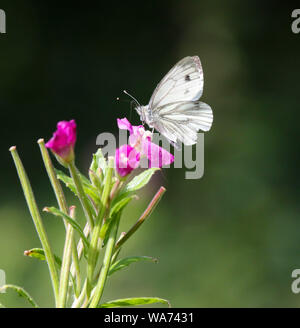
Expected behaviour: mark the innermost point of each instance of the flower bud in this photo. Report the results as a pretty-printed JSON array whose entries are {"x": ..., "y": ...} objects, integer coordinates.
[{"x": 63, "y": 141}]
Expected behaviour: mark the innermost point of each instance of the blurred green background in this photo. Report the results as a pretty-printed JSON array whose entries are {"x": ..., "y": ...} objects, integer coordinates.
[{"x": 230, "y": 239}]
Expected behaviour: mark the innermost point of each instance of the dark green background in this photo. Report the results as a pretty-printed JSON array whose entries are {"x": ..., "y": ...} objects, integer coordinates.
[{"x": 230, "y": 239}]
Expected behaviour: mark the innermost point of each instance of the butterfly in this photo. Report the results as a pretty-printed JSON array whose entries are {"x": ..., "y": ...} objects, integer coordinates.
[{"x": 174, "y": 109}]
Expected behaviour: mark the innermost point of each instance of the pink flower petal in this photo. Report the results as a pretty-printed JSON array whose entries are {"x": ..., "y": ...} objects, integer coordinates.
[
  {"x": 140, "y": 140},
  {"x": 127, "y": 159},
  {"x": 156, "y": 155},
  {"x": 63, "y": 141},
  {"x": 124, "y": 124},
  {"x": 138, "y": 130}
]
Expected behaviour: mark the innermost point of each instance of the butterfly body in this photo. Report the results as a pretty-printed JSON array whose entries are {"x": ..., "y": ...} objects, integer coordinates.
[
  {"x": 145, "y": 115},
  {"x": 174, "y": 109}
]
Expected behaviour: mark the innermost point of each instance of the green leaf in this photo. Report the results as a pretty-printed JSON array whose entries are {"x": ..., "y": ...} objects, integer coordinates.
[
  {"x": 106, "y": 228},
  {"x": 96, "y": 181},
  {"x": 120, "y": 203},
  {"x": 22, "y": 292},
  {"x": 85, "y": 181},
  {"x": 74, "y": 224},
  {"x": 134, "y": 301},
  {"x": 89, "y": 189},
  {"x": 39, "y": 254},
  {"x": 101, "y": 161},
  {"x": 117, "y": 207},
  {"x": 140, "y": 180},
  {"x": 104, "y": 232},
  {"x": 94, "y": 163},
  {"x": 66, "y": 180},
  {"x": 123, "y": 263}
]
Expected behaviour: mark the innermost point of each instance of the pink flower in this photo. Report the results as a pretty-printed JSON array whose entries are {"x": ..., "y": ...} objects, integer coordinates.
[
  {"x": 127, "y": 159},
  {"x": 156, "y": 155},
  {"x": 140, "y": 139},
  {"x": 63, "y": 141}
]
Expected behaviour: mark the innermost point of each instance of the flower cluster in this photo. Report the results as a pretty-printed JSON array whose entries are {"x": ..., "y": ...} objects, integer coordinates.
[
  {"x": 140, "y": 145},
  {"x": 102, "y": 195},
  {"x": 127, "y": 157}
]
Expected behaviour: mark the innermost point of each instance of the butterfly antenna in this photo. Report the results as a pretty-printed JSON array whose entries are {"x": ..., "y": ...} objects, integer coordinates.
[
  {"x": 134, "y": 99},
  {"x": 131, "y": 108}
]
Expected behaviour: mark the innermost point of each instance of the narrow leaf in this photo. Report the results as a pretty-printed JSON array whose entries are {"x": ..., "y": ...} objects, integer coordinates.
[
  {"x": 101, "y": 161},
  {"x": 22, "y": 292},
  {"x": 74, "y": 224},
  {"x": 134, "y": 302},
  {"x": 142, "y": 219},
  {"x": 94, "y": 163},
  {"x": 140, "y": 180},
  {"x": 104, "y": 232},
  {"x": 116, "y": 208},
  {"x": 39, "y": 254},
  {"x": 85, "y": 180},
  {"x": 123, "y": 263},
  {"x": 122, "y": 201},
  {"x": 95, "y": 179},
  {"x": 89, "y": 189}
]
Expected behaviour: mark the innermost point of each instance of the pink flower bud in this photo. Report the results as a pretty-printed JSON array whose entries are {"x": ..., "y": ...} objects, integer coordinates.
[{"x": 63, "y": 141}]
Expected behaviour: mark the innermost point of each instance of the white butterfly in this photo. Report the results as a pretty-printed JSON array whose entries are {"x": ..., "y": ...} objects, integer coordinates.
[{"x": 174, "y": 109}]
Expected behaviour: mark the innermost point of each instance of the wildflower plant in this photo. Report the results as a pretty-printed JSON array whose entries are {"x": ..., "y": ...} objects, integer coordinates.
[{"x": 110, "y": 186}]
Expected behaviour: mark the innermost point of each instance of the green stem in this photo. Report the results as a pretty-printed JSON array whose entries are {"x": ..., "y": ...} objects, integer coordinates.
[
  {"x": 93, "y": 250},
  {"x": 35, "y": 214},
  {"x": 80, "y": 246},
  {"x": 66, "y": 263},
  {"x": 85, "y": 303},
  {"x": 60, "y": 197},
  {"x": 106, "y": 264},
  {"x": 142, "y": 219},
  {"x": 61, "y": 200},
  {"x": 75, "y": 268},
  {"x": 77, "y": 302},
  {"x": 81, "y": 194}
]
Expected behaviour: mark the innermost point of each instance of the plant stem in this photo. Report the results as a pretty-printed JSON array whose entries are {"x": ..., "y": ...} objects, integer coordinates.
[
  {"x": 93, "y": 250},
  {"x": 60, "y": 197},
  {"x": 142, "y": 219},
  {"x": 81, "y": 194},
  {"x": 35, "y": 214},
  {"x": 61, "y": 200},
  {"x": 76, "y": 271},
  {"x": 106, "y": 263},
  {"x": 80, "y": 246},
  {"x": 66, "y": 262},
  {"x": 78, "y": 301}
]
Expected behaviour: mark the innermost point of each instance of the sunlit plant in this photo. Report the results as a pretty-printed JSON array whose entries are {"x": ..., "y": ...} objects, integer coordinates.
[{"x": 78, "y": 276}]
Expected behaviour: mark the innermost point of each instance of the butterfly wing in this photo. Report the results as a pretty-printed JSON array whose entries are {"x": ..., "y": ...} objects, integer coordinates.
[
  {"x": 181, "y": 120},
  {"x": 184, "y": 82}
]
